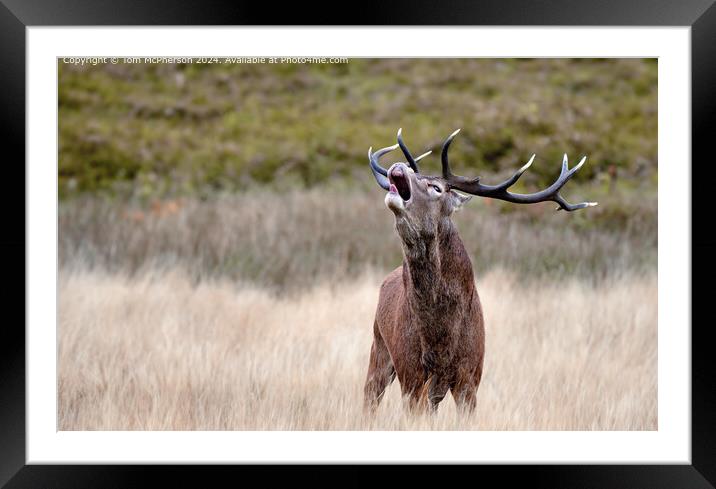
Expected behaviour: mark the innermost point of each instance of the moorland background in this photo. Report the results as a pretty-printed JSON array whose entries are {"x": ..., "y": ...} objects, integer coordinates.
[{"x": 222, "y": 241}]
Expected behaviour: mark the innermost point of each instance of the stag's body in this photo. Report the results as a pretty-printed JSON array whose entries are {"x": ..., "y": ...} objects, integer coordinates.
[
  {"x": 429, "y": 325},
  {"x": 429, "y": 329}
]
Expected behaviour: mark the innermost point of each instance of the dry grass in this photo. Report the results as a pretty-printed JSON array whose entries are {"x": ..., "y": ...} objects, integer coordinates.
[
  {"x": 291, "y": 240},
  {"x": 160, "y": 352}
]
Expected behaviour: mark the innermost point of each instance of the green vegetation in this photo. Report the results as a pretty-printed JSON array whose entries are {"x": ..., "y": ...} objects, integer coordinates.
[{"x": 160, "y": 130}]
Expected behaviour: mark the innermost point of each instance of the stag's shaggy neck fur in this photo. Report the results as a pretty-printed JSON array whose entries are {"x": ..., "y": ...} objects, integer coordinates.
[{"x": 438, "y": 278}]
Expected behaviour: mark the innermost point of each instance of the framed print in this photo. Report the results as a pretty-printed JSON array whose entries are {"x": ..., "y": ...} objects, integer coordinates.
[{"x": 242, "y": 243}]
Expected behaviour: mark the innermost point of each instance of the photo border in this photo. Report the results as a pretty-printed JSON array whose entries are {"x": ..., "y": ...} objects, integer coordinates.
[{"x": 16, "y": 15}]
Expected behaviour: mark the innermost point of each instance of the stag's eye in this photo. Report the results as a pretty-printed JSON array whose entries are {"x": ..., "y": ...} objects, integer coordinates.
[{"x": 436, "y": 188}]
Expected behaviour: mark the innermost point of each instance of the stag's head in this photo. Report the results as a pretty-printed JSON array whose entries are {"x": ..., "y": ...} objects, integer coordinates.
[{"x": 420, "y": 202}]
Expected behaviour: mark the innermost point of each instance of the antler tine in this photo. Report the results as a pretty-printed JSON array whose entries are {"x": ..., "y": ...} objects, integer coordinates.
[
  {"x": 564, "y": 175},
  {"x": 380, "y": 173},
  {"x": 499, "y": 191},
  {"x": 563, "y": 204},
  {"x": 447, "y": 174},
  {"x": 411, "y": 161},
  {"x": 511, "y": 181},
  {"x": 423, "y": 155}
]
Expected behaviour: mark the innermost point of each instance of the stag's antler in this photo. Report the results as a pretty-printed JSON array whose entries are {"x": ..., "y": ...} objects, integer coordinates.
[
  {"x": 413, "y": 162},
  {"x": 499, "y": 191},
  {"x": 380, "y": 173}
]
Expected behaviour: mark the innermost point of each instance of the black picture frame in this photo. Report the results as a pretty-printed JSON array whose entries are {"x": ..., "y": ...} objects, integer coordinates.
[{"x": 16, "y": 15}]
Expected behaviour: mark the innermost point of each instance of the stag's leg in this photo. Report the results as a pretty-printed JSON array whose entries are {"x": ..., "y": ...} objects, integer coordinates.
[
  {"x": 380, "y": 372},
  {"x": 465, "y": 389},
  {"x": 465, "y": 396},
  {"x": 414, "y": 390},
  {"x": 414, "y": 384},
  {"x": 437, "y": 391}
]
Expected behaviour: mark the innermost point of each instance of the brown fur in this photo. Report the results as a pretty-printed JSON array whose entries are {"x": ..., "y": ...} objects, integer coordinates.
[{"x": 429, "y": 328}]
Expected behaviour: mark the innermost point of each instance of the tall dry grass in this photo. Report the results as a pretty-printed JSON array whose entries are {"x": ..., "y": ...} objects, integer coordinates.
[
  {"x": 159, "y": 351},
  {"x": 287, "y": 241}
]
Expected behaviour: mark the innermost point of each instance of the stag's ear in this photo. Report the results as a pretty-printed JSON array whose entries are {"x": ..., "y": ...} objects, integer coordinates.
[{"x": 458, "y": 200}]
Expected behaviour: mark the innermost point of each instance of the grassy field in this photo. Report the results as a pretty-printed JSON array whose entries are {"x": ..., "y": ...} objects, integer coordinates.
[
  {"x": 222, "y": 241},
  {"x": 289, "y": 241},
  {"x": 157, "y": 352},
  {"x": 255, "y": 312}
]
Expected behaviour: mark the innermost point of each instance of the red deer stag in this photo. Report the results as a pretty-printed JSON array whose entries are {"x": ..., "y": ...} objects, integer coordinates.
[{"x": 429, "y": 329}]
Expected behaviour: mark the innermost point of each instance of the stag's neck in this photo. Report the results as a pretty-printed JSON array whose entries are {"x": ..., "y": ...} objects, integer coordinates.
[{"x": 437, "y": 274}]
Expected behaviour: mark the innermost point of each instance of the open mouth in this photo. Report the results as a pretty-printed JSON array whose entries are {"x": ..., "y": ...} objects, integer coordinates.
[{"x": 399, "y": 182}]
